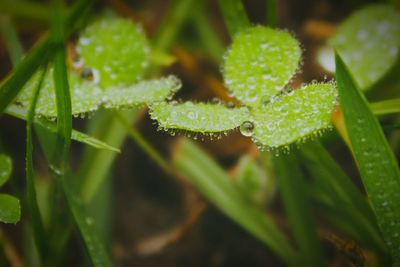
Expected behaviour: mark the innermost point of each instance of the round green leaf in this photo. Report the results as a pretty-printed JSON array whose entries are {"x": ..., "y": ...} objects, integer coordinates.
[
  {"x": 115, "y": 49},
  {"x": 198, "y": 117},
  {"x": 295, "y": 116},
  {"x": 260, "y": 62},
  {"x": 5, "y": 168},
  {"x": 369, "y": 41},
  {"x": 10, "y": 209}
]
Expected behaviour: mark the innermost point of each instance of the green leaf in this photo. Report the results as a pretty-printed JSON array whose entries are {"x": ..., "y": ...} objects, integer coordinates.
[
  {"x": 20, "y": 113},
  {"x": 295, "y": 116},
  {"x": 376, "y": 162},
  {"x": 369, "y": 42},
  {"x": 5, "y": 168},
  {"x": 198, "y": 117},
  {"x": 212, "y": 181},
  {"x": 10, "y": 209},
  {"x": 145, "y": 92},
  {"x": 260, "y": 62},
  {"x": 116, "y": 49},
  {"x": 87, "y": 97}
]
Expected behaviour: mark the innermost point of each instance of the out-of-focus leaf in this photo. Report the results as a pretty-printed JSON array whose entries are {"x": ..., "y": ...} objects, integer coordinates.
[
  {"x": 5, "y": 168},
  {"x": 10, "y": 209}
]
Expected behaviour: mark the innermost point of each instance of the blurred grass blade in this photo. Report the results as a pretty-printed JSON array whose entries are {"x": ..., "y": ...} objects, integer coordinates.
[
  {"x": 293, "y": 190},
  {"x": 86, "y": 227},
  {"x": 234, "y": 14},
  {"x": 25, "y": 9},
  {"x": 328, "y": 174},
  {"x": 11, "y": 40},
  {"x": 35, "y": 217},
  {"x": 213, "y": 182},
  {"x": 386, "y": 107},
  {"x": 376, "y": 162},
  {"x": 20, "y": 113}
]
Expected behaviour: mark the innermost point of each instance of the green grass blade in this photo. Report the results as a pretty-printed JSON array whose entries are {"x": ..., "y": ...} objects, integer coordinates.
[
  {"x": 385, "y": 107},
  {"x": 25, "y": 9},
  {"x": 234, "y": 14},
  {"x": 328, "y": 174},
  {"x": 78, "y": 136},
  {"x": 272, "y": 13},
  {"x": 293, "y": 190},
  {"x": 213, "y": 182},
  {"x": 11, "y": 40},
  {"x": 35, "y": 216},
  {"x": 377, "y": 164}
]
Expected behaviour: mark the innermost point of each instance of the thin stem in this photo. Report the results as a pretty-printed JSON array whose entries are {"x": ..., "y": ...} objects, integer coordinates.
[
  {"x": 234, "y": 14},
  {"x": 12, "y": 42},
  {"x": 144, "y": 145}
]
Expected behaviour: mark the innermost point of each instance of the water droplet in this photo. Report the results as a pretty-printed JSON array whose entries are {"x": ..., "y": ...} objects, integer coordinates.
[
  {"x": 247, "y": 128},
  {"x": 87, "y": 73}
]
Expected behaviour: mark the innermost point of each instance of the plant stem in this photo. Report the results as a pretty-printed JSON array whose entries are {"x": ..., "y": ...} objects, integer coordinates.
[{"x": 234, "y": 14}]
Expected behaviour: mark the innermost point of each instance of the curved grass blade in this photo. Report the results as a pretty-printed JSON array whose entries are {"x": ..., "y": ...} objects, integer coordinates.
[
  {"x": 78, "y": 136},
  {"x": 213, "y": 182},
  {"x": 377, "y": 164}
]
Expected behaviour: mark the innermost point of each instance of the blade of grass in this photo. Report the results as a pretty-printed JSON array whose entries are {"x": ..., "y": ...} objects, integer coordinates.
[
  {"x": 171, "y": 24},
  {"x": 213, "y": 182},
  {"x": 293, "y": 190},
  {"x": 207, "y": 35},
  {"x": 26, "y": 9},
  {"x": 376, "y": 162},
  {"x": 234, "y": 14},
  {"x": 386, "y": 107},
  {"x": 271, "y": 13},
  {"x": 12, "y": 43},
  {"x": 20, "y": 113},
  {"x": 328, "y": 174},
  {"x": 35, "y": 216}
]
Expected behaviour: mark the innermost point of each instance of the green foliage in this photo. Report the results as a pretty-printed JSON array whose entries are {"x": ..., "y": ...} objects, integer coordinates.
[
  {"x": 10, "y": 210},
  {"x": 198, "y": 117},
  {"x": 257, "y": 68},
  {"x": 376, "y": 162},
  {"x": 108, "y": 77},
  {"x": 260, "y": 62},
  {"x": 116, "y": 50},
  {"x": 301, "y": 113},
  {"x": 369, "y": 42}
]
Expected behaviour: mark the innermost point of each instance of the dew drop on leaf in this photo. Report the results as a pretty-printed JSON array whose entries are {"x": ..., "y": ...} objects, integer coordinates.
[{"x": 247, "y": 128}]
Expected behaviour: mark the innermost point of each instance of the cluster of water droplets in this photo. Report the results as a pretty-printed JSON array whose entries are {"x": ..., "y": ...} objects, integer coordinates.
[
  {"x": 260, "y": 62},
  {"x": 198, "y": 117}
]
